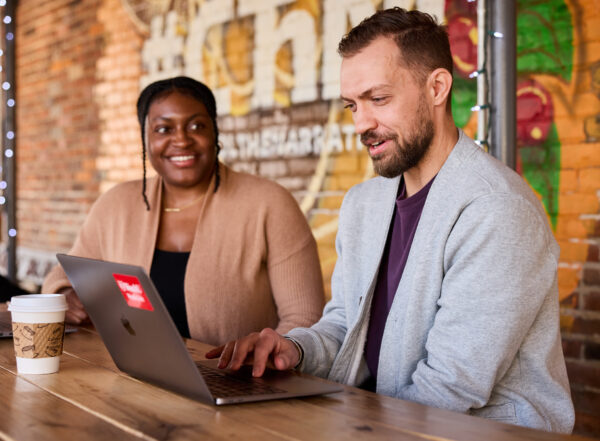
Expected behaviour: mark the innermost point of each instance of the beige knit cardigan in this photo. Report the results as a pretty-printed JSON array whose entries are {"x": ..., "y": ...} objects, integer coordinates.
[{"x": 253, "y": 262}]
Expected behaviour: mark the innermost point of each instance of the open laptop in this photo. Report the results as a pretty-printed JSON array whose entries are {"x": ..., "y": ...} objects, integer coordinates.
[
  {"x": 143, "y": 341},
  {"x": 6, "y": 325}
]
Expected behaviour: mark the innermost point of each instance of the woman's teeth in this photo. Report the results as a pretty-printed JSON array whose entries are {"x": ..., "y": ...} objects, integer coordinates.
[{"x": 181, "y": 158}]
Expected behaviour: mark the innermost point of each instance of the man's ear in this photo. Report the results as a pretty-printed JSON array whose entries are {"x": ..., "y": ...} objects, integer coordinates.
[{"x": 440, "y": 81}]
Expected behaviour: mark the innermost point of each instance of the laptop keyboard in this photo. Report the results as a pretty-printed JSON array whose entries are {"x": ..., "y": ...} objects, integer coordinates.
[{"x": 223, "y": 385}]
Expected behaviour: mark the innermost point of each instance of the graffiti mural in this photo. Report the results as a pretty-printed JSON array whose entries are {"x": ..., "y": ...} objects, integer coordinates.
[{"x": 275, "y": 72}]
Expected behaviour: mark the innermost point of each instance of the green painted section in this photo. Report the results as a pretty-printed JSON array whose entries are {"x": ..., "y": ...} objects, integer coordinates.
[
  {"x": 464, "y": 96},
  {"x": 544, "y": 45},
  {"x": 541, "y": 168},
  {"x": 544, "y": 38}
]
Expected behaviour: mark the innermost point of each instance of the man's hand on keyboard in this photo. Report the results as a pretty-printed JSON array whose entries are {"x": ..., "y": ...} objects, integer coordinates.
[{"x": 261, "y": 349}]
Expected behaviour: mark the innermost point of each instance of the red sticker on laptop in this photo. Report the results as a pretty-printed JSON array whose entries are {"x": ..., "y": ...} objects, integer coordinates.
[{"x": 132, "y": 290}]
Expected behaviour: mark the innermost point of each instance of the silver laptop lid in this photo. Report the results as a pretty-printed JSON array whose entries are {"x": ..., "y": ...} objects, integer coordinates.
[
  {"x": 143, "y": 341},
  {"x": 134, "y": 324}
]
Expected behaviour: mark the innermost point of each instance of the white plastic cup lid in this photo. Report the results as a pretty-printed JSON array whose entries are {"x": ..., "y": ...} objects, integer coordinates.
[{"x": 38, "y": 303}]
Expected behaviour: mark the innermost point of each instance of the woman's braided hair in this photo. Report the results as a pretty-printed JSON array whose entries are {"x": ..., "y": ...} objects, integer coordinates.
[{"x": 186, "y": 86}]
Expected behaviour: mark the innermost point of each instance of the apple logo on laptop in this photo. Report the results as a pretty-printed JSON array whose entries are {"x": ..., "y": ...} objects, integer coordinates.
[{"x": 127, "y": 325}]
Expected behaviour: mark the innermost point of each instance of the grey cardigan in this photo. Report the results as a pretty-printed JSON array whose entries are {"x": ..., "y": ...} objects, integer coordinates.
[{"x": 474, "y": 326}]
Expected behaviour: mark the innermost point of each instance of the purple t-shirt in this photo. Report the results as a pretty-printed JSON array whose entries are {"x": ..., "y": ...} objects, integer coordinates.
[{"x": 404, "y": 224}]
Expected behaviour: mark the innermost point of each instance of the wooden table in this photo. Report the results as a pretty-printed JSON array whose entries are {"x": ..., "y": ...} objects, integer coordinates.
[{"x": 89, "y": 398}]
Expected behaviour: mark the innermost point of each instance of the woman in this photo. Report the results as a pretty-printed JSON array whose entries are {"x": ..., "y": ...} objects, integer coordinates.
[{"x": 230, "y": 253}]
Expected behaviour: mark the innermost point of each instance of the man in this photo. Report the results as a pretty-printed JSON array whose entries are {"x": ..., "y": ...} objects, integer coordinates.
[{"x": 445, "y": 289}]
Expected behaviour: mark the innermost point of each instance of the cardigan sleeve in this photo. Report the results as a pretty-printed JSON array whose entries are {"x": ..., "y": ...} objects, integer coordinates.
[
  {"x": 322, "y": 341},
  {"x": 293, "y": 264}
]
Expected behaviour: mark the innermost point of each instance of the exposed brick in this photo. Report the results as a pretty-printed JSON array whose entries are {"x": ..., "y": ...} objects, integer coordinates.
[
  {"x": 589, "y": 326},
  {"x": 576, "y": 156},
  {"x": 566, "y": 323},
  {"x": 273, "y": 169},
  {"x": 591, "y": 276},
  {"x": 586, "y": 401},
  {"x": 592, "y": 351},
  {"x": 568, "y": 180},
  {"x": 593, "y": 253},
  {"x": 589, "y": 179},
  {"x": 578, "y": 203},
  {"x": 568, "y": 279},
  {"x": 572, "y": 348},
  {"x": 302, "y": 166},
  {"x": 586, "y": 425},
  {"x": 591, "y": 301},
  {"x": 571, "y": 301},
  {"x": 571, "y": 226},
  {"x": 573, "y": 251},
  {"x": 346, "y": 163}
]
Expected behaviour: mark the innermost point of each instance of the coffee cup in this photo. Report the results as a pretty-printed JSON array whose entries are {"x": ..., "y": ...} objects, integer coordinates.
[{"x": 38, "y": 322}]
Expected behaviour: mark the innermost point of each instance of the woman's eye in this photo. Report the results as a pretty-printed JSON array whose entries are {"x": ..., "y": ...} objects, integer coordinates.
[
  {"x": 161, "y": 129},
  {"x": 196, "y": 126}
]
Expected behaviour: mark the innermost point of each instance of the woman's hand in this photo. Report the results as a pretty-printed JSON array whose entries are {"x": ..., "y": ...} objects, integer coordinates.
[{"x": 76, "y": 314}]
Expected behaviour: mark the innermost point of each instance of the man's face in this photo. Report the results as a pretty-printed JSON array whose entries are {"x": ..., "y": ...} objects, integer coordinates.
[{"x": 389, "y": 107}]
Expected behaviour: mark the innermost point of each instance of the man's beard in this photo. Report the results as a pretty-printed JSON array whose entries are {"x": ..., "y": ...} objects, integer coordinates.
[{"x": 402, "y": 157}]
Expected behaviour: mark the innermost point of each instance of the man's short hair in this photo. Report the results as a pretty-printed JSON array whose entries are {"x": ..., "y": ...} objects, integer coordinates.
[{"x": 423, "y": 43}]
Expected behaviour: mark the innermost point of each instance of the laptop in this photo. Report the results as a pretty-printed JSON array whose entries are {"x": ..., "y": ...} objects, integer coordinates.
[
  {"x": 6, "y": 325},
  {"x": 143, "y": 341}
]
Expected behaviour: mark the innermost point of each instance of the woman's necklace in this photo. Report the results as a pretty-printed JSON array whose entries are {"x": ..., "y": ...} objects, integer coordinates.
[{"x": 183, "y": 207}]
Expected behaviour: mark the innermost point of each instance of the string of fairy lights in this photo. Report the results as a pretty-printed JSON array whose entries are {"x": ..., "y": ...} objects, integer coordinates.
[
  {"x": 483, "y": 99},
  {"x": 7, "y": 143},
  {"x": 496, "y": 116}
]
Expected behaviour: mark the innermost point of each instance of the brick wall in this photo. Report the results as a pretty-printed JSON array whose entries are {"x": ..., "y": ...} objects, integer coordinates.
[
  {"x": 81, "y": 65},
  {"x": 57, "y": 44}
]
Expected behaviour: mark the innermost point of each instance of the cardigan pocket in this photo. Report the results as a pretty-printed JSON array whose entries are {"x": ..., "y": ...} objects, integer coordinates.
[{"x": 498, "y": 412}]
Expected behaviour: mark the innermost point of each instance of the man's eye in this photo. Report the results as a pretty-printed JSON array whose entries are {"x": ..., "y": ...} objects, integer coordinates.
[
  {"x": 350, "y": 106},
  {"x": 380, "y": 99}
]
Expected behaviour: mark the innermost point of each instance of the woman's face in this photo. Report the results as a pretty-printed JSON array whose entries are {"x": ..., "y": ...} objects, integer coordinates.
[{"x": 181, "y": 140}]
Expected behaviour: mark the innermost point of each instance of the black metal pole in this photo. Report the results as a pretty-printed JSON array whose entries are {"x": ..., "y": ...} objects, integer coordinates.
[
  {"x": 503, "y": 46},
  {"x": 10, "y": 140}
]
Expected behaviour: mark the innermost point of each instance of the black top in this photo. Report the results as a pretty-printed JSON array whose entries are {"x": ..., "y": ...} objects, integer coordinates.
[
  {"x": 168, "y": 273},
  {"x": 9, "y": 289}
]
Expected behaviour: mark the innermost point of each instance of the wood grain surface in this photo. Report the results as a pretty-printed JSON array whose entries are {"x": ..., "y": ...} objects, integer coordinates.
[{"x": 89, "y": 398}]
